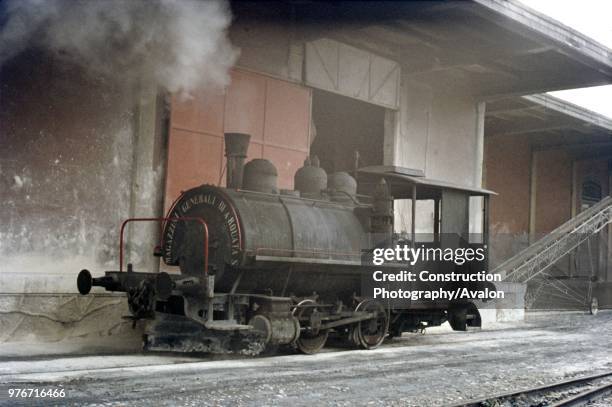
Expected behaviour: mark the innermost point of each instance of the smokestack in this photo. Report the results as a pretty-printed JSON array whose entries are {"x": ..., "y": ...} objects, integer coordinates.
[{"x": 236, "y": 146}]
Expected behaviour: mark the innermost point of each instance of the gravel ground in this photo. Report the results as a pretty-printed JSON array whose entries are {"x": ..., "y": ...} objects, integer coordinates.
[
  {"x": 604, "y": 402},
  {"x": 438, "y": 368}
]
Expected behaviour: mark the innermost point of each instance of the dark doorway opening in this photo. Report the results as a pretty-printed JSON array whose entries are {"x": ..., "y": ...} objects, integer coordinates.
[{"x": 346, "y": 132}]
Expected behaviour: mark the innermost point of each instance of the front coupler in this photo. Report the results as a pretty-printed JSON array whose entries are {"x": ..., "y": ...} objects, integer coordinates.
[{"x": 143, "y": 289}]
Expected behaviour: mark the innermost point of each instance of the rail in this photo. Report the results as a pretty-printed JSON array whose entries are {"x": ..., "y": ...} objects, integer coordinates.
[
  {"x": 568, "y": 386},
  {"x": 545, "y": 252},
  {"x": 165, "y": 219}
]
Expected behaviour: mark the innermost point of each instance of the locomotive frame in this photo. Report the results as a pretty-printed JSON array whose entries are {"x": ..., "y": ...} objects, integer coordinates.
[{"x": 257, "y": 273}]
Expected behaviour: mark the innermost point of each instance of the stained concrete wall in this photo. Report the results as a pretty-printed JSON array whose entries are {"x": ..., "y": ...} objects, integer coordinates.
[
  {"x": 79, "y": 155},
  {"x": 68, "y": 323},
  {"x": 437, "y": 133},
  {"x": 66, "y": 160}
]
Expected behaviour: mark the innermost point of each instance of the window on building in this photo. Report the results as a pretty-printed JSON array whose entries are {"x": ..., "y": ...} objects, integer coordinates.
[{"x": 591, "y": 193}]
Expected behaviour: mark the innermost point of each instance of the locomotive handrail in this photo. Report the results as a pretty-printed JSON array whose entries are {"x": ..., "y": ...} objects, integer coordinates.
[{"x": 165, "y": 219}]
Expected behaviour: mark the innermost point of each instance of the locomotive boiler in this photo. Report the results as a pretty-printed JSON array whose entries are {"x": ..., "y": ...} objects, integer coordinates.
[{"x": 260, "y": 267}]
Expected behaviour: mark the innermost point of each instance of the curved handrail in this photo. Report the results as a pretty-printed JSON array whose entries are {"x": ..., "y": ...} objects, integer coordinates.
[{"x": 165, "y": 219}]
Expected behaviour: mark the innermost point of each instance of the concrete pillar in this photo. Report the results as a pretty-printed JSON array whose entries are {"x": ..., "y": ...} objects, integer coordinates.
[
  {"x": 390, "y": 136},
  {"x": 479, "y": 145},
  {"x": 295, "y": 61},
  {"x": 533, "y": 176},
  {"x": 148, "y": 177},
  {"x": 476, "y": 205}
]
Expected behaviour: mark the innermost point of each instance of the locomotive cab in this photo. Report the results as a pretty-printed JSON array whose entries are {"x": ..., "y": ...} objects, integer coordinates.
[{"x": 438, "y": 215}]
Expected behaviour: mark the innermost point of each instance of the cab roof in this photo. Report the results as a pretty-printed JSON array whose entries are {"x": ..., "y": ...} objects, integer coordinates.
[{"x": 401, "y": 180}]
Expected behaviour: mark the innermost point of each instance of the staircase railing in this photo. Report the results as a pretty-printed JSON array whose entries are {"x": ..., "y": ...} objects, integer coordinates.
[{"x": 545, "y": 252}]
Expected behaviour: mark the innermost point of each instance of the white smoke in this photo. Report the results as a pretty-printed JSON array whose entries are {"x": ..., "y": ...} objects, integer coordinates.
[{"x": 181, "y": 45}]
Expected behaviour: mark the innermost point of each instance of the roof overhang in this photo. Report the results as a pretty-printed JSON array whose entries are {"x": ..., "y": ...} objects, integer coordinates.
[
  {"x": 543, "y": 116},
  {"x": 488, "y": 48}
]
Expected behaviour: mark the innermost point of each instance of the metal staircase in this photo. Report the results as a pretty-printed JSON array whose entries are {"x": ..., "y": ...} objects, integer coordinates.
[{"x": 545, "y": 252}]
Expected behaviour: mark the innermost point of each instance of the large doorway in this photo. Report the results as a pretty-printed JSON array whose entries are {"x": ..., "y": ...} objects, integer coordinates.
[{"x": 346, "y": 132}]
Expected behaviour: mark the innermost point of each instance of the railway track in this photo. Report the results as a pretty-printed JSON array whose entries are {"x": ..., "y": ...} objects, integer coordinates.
[{"x": 566, "y": 393}]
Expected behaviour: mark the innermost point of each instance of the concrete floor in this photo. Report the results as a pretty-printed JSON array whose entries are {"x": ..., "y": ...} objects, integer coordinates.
[{"x": 439, "y": 368}]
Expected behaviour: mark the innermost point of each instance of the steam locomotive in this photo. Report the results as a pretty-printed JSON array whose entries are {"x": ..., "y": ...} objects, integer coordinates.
[{"x": 262, "y": 267}]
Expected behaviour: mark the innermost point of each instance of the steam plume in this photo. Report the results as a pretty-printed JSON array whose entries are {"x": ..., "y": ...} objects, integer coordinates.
[{"x": 181, "y": 45}]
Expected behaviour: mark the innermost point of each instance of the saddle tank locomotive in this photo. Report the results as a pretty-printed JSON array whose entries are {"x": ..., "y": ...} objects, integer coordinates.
[{"x": 261, "y": 267}]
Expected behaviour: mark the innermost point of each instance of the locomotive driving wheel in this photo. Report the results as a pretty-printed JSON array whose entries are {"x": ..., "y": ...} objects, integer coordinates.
[
  {"x": 311, "y": 339},
  {"x": 370, "y": 333}
]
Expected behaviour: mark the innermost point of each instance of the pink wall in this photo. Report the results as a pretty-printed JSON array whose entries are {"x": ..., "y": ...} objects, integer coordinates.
[{"x": 275, "y": 113}]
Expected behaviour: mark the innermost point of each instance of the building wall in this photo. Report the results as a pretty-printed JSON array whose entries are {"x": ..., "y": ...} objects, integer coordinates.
[
  {"x": 267, "y": 47},
  {"x": 507, "y": 162},
  {"x": 508, "y": 171},
  {"x": 264, "y": 99},
  {"x": 435, "y": 129},
  {"x": 555, "y": 186},
  {"x": 553, "y": 190},
  {"x": 78, "y": 156},
  {"x": 558, "y": 177},
  {"x": 275, "y": 113},
  {"x": 437, "y": 133},
  {"x": 67, "y": 171},
  {"x": 591, "y": 170},
  {"x": 600, "y": 249}
]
